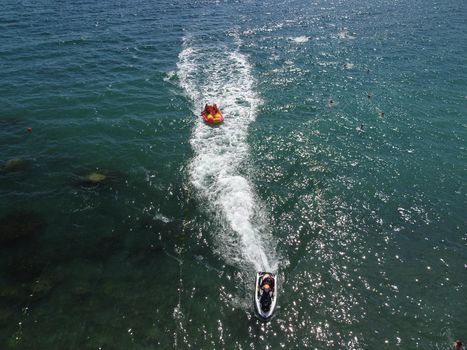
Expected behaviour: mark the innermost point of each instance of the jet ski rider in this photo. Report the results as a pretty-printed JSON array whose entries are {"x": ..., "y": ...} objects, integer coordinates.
[
  {"x": 267, "y": 281},
  {"x": 267, "y": 284}
]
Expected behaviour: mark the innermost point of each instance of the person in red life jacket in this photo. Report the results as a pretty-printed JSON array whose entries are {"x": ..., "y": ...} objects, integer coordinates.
[
  {"x": 211, "y": 110},
  {"x": 215, "y": 109},
  {"x": 208, "y": 109}
]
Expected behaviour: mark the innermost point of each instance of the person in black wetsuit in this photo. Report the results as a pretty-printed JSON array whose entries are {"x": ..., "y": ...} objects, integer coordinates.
[
  {"x": 267, "y": 285},
  {"x": 266, "y": 297}
]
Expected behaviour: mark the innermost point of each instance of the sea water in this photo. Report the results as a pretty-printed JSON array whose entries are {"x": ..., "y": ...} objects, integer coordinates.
[{"x": 341, "y": 166}]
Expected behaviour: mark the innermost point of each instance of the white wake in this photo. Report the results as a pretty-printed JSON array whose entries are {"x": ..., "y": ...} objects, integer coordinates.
[{"x": 222, "y": 75}]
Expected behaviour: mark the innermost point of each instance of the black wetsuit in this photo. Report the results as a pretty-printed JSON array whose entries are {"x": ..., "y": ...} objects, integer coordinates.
[{"x": 266, "y": 299}]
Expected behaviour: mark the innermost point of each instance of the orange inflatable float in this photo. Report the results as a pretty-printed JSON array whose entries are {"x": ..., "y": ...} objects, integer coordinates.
[{"x": 212, "y": 115}]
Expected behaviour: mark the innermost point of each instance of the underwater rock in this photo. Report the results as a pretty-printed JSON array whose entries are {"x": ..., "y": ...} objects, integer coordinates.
[
  {"x": 92, "y": 180},
  {"x": 20, "y": 225},
  {"x": 13, "y": 165},
  {"x": 98, "y": 178},
  {"x": 95, "y": 177}
]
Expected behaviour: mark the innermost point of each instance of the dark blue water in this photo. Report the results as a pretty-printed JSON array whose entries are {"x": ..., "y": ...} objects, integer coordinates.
[{"x": 126, "y": 223}]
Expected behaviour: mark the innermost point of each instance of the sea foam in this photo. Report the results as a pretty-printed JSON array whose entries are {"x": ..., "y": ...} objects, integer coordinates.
[{"x": 217, "y": 171}]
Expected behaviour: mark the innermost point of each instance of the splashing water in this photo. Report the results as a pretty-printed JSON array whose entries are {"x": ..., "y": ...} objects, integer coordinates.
[{"x": 223, "y": 76}]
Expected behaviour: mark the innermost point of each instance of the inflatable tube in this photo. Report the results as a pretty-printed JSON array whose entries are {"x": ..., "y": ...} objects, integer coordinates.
[{"x": 213, "y": 119}]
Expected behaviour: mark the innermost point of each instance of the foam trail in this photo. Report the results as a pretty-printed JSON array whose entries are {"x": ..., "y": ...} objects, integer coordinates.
[{"x": 223, "y": 76}]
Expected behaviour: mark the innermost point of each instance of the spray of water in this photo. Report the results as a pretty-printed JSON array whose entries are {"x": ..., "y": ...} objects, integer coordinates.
[{"x": 223, "y": 76}]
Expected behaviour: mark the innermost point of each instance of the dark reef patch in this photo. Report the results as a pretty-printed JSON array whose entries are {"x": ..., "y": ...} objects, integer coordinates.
[
  {"x": 13, "y": 165},
  {"x": 20, "y": 225}
]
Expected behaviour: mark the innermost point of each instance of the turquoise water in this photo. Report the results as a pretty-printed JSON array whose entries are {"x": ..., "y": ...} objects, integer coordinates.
[{"x": 341, "y": 166}]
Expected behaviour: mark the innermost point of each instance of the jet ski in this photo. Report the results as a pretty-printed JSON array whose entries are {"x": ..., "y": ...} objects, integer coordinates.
[
  {"x": 212, "y": 115},
  {"x": 265, "y": 295}
]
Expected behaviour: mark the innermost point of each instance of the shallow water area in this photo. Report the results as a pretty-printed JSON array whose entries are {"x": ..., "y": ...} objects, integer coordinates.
[{"x": 132, "y": 224}]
